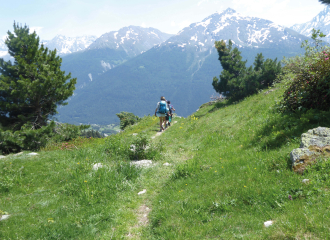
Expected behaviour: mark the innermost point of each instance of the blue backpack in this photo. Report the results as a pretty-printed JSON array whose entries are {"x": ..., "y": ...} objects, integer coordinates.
[{"x": 162, "y": 107}]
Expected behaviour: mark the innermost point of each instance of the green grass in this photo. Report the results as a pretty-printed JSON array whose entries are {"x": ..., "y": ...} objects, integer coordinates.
[{"x": 230, "y": 172}]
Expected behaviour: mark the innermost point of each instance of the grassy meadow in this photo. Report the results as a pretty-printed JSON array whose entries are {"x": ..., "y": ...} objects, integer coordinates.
[{"x": 229, "y": 172}]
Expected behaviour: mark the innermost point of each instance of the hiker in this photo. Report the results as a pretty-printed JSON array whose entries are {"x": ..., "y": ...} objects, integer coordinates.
[
  {"x": 161, "y": 111},
  {"x": 169, "y": 113}
]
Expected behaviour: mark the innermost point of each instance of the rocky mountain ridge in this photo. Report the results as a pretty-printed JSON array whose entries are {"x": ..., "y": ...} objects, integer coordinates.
[{"x": 320, "y": 21}]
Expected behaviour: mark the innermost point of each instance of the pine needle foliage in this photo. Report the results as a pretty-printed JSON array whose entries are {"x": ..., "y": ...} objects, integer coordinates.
[
  {"x": 33, "y": 85},
  {"x": 236, "y": 80}
]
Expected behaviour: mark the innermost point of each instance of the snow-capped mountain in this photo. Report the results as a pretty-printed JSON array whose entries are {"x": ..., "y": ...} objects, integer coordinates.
[
  {"x": 133, "y": 40},
  {"x": 243, "y": 31},
  {"x": 181, "y": 68},
  {"x": 320, "y": 21},
  {"x": 66, "y": 45},
  {"x": 109, "y": 51}
]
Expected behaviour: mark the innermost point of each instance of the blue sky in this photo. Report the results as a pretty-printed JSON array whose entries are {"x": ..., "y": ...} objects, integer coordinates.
[{"x": 95, "y": 17}]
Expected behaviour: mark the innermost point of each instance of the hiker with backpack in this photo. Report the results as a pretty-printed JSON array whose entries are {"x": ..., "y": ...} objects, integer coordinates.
[
  {"x": 161, "y": 111},
  {"x": 169, "y": 113}
]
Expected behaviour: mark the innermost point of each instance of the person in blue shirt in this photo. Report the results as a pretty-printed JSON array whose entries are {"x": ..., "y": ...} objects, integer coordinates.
[{"x": 161, "y": 110}]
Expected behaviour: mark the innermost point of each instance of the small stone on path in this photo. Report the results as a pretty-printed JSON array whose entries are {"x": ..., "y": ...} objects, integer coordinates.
[
  {"x": 305, "y": 181},
  {"x": 33, "y": 154},
  {"x": 97, "y": 166},
  {"x": 4, "y": 217},
  {"x": 268, "y": 223},
  {"x": 167, "y": 164},
  {"x": 18, "y": 154},
  {"x": 142, "y": 163},
  {"x": 142, "y": 192}
]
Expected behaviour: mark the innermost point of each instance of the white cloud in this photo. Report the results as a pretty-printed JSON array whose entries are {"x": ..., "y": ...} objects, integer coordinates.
[
  {"x": 36, "y": 29},
  {"x": 144, "y": 25}
]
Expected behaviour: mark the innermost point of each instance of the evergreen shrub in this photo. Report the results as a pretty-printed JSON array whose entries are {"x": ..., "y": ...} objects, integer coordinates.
[{"x": 127, "y": 119}]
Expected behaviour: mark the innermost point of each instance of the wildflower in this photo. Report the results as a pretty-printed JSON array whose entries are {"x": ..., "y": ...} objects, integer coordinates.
[
  {"x": 222, "y": 166},
  {"x": 290, "y": 197},
  {"x": 215, "y": 171},
  {"x": 85, "y": 181},
  {"x": 186, "y": 183},
  {"x": 244, "y": 186},
  {"x": 326, "y": 59},
  {"x": 78, "y": 163}
]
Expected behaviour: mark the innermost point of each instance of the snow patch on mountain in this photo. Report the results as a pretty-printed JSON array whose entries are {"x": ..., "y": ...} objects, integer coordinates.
[
  {"x": 133, "y": 40},
  {"x": 66, "y": 45},
  {"x": 106, "y": 66},
  {"x": 320, "y": 21}
]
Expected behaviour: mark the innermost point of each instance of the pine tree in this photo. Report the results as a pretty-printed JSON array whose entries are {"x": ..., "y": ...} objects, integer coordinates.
[
  {"x": 325, "y": 1},
  {"x": 233, "y": 69},
  {"x": 33, "y": 85},
  {"x": 237, "y": 81}
]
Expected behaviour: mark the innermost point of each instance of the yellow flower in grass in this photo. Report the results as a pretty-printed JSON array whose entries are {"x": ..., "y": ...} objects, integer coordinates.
[
  {"x": 244, "y": 186},
  {"x": 85, "y": 181},
  {"x": 215, "y": 171},
  {"x": 78, "y": 163}
]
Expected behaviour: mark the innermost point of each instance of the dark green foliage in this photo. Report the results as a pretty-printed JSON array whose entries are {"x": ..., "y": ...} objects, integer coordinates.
[
  {"x": 309, "y": 87},
  {"x": 91, "y": 133},
  {"x": 325, "y": 1},
  {"x": 127, "y": 119},
  {"x": 237, "y": 81},
  {"x": 33, "y": 85},
  {"x": 33, "y": 139}
]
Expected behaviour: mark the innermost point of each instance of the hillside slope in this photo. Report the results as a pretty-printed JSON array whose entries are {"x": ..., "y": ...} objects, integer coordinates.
[{"x": 228, "y": 173}]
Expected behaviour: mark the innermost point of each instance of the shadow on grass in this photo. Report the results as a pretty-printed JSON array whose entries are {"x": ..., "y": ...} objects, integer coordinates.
[
  {"x": 288, "y": 128},
  {"x": 216, "y": 106}
]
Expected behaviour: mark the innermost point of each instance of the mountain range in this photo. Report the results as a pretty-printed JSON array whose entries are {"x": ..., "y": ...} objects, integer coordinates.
[
  {"x": 320, "y": 21},
  {"x": 111, "y": 50},
  {"x": 180, "y": 68}
]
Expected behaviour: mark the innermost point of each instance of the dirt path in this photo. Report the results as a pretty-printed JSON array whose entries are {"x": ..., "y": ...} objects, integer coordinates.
[{"x": 152, "y": 186}]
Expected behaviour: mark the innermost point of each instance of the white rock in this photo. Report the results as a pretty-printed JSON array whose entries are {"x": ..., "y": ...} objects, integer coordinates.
[
  {"x": 135, "y": 134},
  {"x": 33, "y": 154},
  {"x": 268, "y": 223},
  {"x": 142, "y": 192},
  {"x": 153, "y": 137},
  {"x": 1, "y": 156},
  {"x": 4, "y": 217},
  {"x": 167, "y": 164},
  {"x": 18, "y": 154},
  {"x": 175, "y": 121},
  {"x": 97, "y": 166},
  {"x": 305, "y": 181},
  {"x": 142, "y": 163}
]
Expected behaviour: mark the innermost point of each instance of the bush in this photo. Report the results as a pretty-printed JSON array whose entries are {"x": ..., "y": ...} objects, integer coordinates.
[
  {"x": 29, "y": 138},
  {"x": 136, "y": 148},
  {"x": 307, "y": 78},
  {"x": 127, "y": 119},
  {"x": 310, "y": 88}
]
